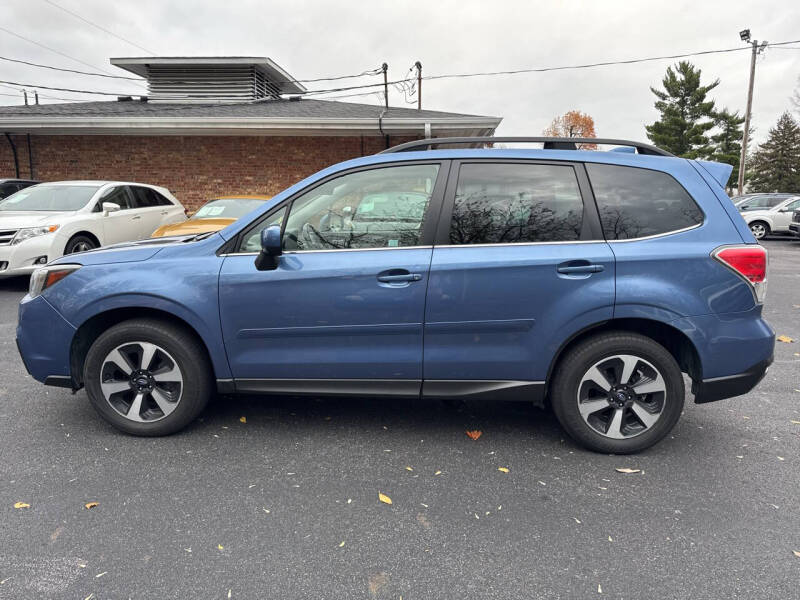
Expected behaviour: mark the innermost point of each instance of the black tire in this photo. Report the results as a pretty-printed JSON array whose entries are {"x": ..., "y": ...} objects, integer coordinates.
[
  {"x": 576, "y": 365},
  {"x": 182, "y": 346},
  {"x": 79, "y": 243}
]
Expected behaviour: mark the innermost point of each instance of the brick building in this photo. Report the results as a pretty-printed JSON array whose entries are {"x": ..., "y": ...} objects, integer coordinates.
[{"x": 209, "y": 127}]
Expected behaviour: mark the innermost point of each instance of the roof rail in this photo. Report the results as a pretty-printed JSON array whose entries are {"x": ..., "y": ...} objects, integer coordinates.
[{"x": 550, "y": 143}]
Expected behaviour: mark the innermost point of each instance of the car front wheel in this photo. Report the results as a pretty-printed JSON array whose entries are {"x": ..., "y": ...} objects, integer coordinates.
[
  {"x": 618, "y": 393},
  {"x": 79, "y": 243},
  {"x": 147, "y": 377}
]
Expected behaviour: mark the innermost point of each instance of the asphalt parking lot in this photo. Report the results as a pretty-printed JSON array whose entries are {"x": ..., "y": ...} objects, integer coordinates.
[{"x": 278, "y": 497}]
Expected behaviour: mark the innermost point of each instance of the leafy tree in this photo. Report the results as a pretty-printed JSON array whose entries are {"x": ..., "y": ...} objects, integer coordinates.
[
  {"x": 686, "y": 115},
  {"x": 728, "y": 141},
  {"x": 573, "y": 123},
  {"x": 775, "y": 166}
]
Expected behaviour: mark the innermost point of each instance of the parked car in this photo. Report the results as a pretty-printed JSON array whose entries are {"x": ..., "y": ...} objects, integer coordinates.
[
  {"x": 772, "y": 220},
  {"x": 213, "y": 216},
  {"x": 794, "y": 226},
  {"x": 584, "y": 281},
  {"x": 45, "y": 221},
  {"x": 761, "y": 201},
  {"x": 11, "y": 186}
]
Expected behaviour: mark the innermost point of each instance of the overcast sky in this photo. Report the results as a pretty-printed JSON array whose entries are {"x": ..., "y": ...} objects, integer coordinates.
[{"x": 316, "y": 39}]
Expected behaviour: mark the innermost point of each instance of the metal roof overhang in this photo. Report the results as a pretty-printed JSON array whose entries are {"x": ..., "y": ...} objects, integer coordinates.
[{"x": 253, "y": 126}]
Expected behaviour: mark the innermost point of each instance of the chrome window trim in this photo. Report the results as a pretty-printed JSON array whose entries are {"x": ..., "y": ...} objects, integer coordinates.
[
  {"x": 334, "y": 250},
  {"x": 520, "y": 244},
  {"x": 657, "y": 235}
]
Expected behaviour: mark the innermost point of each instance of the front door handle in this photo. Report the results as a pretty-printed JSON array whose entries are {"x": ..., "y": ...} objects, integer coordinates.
[
  {"x": 136, "y": 217},
  {"x": 399, "y": 278},
  {"x": 572, "y": 269}
]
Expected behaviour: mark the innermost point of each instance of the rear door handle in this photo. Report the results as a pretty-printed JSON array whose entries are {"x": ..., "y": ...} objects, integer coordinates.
[
  {"x": 402, "y": 278},
  {"x": 580, "y": 269}
]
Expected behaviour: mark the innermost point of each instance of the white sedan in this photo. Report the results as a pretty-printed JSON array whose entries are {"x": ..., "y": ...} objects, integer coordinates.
[
  {"x": 45, "y": 221},
  {"x": 772, "y": 220}
]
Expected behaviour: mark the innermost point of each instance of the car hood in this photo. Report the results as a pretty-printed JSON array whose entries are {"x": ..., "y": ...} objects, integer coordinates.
[
  {"x": 120, "y": 253},
  {"x": 192, "y": 227},
  {"x": 17, "y": 220}
]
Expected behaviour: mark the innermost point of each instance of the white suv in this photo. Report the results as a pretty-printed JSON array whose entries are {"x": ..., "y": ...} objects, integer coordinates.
[
  {"x": 45, "y": 221},
  {"x": 762, "y": 222}
]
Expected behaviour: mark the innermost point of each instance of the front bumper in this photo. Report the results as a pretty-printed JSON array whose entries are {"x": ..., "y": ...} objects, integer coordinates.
[
  {"x": 719, "y": 388},
  {"x": 20, "y": 259},
  {"x": 44, "y": 339}
]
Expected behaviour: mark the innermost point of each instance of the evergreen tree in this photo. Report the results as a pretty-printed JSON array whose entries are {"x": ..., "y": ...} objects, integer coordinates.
[
  {"x": 775, "y": 166},
  {"x": 686, "y": 115},
  {"x": 728, "y": 141}
]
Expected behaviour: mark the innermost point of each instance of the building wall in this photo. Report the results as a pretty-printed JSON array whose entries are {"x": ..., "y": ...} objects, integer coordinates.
[{"x": 194, "y": 169}]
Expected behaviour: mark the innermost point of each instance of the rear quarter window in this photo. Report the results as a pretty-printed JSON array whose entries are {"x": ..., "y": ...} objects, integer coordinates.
[{"x": 635, "y": 202}]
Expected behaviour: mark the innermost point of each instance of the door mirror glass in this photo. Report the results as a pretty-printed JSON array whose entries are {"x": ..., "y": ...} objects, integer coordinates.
[
  {"x": 267, "y": 259},
  {"x": 109, "y": 207}
]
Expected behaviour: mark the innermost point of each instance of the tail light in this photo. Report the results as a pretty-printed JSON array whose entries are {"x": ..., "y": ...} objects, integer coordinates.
[{"x": 749, "y": 262}]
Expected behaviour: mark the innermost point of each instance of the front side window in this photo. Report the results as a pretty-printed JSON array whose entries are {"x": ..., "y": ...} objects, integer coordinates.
[
  {"x": 377, "y": 208},
  {"x": 516, "y": 203},
  {"x": 117, "y": 195},
  {"x": 636, "y": 202},
  {"x": 49, "y": 198},
  {"x": 792, "y": 206}
]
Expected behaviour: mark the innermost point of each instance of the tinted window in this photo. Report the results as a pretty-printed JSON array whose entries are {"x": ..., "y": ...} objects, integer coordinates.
[
  {"x": 146, "y": 198},
  {"x": 513, "y": 203},
  {"x": 378, "y": 208},
  {"x": 50, "y": 198},
  {"x": 638, "y": 202},
  {"x": 117, "y": 195},
  {"x": 6, "y": 189}
]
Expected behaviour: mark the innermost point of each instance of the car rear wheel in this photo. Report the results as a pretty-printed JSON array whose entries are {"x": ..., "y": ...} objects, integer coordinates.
[
  {"x": 79, "y": 243},
  {"x": 147, "y": 377},
  {"x": 618, "y": 393},
  {"x": 759, "y": 229}
]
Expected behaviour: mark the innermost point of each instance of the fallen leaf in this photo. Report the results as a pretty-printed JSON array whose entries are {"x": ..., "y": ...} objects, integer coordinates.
[
  {"x": 409, "y": 469},
  {"x": 475, "y": 434},
  {"x": 89, "y": 505},
  {"x": 503, "y": 469},
  {"x": 384, "y": 498},
  {"x": 578, "y": 521},
  {"x": 89, "y": 597},
  {"x": 781, "y": 458},
  {"x": 243, "y": 419},
  {"x": 342, "y": 544},
  {"x": 229, "y": 593},
  {"x": 100, "y": 574},
  {"x": 377, "y": 582},
  {"x": 796, "y": 553},
  {"x": 795, "y": 422},
  {"x": 599, "y": 589},
  {"x": 220, "y": 547},
  {"x": 610, "y": 539},
  {"x": 627, "y": 470},
  {"x": 438, "y": 473},
  {"x": 785, "y": 339},
  {"x": 21, "y": 505}
]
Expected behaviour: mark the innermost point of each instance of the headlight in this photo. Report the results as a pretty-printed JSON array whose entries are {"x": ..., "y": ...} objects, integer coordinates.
[
  {"x": 29, "y": 232},
  {"x": 43, "y": 278}
]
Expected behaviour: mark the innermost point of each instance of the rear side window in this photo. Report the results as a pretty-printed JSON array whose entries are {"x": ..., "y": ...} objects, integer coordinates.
[
  {"x": 146, "y": 197},
  {"x": 516, "y": 203},
  {"x": 635, "y": 203}
]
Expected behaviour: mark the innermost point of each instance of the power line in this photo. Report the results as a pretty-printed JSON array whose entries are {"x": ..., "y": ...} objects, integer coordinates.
[
  {"x": 111, "y": 33},
  {"x": 429, "y": 77},
  {"x": 52, "y": 68}
]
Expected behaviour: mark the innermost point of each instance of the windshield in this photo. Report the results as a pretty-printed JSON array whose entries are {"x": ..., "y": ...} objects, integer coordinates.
[
  {"x": 227, "y": 208},
  {"x": 50, "y": 198}
]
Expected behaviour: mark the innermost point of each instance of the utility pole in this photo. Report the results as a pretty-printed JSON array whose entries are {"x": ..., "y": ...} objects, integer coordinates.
[
  {"x": 385, "y": 68},
  {"x": 756, "y": 50},
  {"x": 25, "y": 95},
  {"x": 419, "y": 84}
]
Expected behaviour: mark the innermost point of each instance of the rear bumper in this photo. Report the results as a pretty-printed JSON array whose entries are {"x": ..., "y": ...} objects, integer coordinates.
[{"x": 719, "y": 388}]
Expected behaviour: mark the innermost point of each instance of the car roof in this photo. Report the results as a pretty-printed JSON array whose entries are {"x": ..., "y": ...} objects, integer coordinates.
[
  {"x": 16, "y": 180},
  {"x": 96, "y": 182}
]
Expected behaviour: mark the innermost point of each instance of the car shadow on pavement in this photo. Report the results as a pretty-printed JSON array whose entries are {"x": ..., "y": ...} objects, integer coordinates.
[{"x": 14, "y": 284}]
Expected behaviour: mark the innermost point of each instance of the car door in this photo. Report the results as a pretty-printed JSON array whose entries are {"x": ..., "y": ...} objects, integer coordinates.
[
  {"x": 123, "y": 225},
  {"x": 783, "y": 216},
  {"x": 153, "y": 209},
  {"x": 343, "y": 310},
  {"x": 518, "y": 266}
]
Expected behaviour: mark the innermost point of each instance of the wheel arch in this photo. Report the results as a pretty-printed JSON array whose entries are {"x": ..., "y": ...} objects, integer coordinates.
[
  {"x": 85, "y": 233},
  {"x": 676, "y": 342},
  {"x": 93, "y": 327}
]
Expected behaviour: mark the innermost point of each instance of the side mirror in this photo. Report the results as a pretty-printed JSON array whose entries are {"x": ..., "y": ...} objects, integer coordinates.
[
  {"x": 109, "y": 207},
  {"x": 271, "y": 249}
]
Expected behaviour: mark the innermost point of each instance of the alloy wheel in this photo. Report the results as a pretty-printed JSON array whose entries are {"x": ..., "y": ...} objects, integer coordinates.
[
  {"x": 141, "y": 381},
  {"x": 758, "y": 230},
  {"x": 621, "y": 396},
  {"x": 81, "y": 247}
]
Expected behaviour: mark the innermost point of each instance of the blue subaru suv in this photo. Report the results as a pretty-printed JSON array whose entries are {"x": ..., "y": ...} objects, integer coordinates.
[{"x": 585, "y": 281}]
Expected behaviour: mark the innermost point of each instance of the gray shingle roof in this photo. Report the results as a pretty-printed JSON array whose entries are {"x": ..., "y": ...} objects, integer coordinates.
[{"x": 283, "y": 108}]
